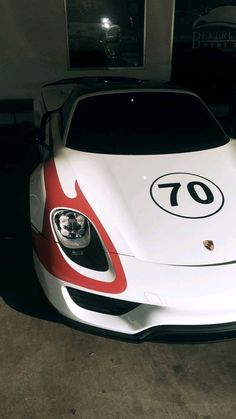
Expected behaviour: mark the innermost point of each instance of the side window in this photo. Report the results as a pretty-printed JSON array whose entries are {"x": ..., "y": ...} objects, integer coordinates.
[
  {"x": 65, "y": 112},
  {"x": 45, "y": 146},
  {"x": 60, "y": 124},
  {"x": 47, "y": 132},
  {"x": 63, "y": 122},
  {"x": 55, "y": 130}
]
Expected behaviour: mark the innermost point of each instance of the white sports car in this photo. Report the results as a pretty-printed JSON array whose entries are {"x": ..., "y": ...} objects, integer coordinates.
[{"x": 133, "y": 210}]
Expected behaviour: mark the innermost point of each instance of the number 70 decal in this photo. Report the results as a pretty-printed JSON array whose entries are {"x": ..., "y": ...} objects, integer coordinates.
[
  {"x": 191, "y": 186},
  {"x": 187, "y": 195}
]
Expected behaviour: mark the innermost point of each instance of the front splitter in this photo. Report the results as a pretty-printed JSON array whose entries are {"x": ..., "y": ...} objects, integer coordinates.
[{"x": 164, "y": 334}]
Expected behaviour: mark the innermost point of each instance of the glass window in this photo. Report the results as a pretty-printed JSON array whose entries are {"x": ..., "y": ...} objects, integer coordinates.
[
  {"x": 143, "y": 123},
  {"x": 204, "y": 48},
  {"x": 105, "y": 33}
]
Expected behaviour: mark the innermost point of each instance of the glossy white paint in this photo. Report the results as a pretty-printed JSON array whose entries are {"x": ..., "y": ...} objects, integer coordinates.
[
  {"x": 169, "y": 296},
  {"x": 168, "y": 269},
  {"x": 118, "y": 189}
]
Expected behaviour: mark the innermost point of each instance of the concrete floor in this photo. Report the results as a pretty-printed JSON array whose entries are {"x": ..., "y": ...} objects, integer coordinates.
[{"x": 50, "y": 371}]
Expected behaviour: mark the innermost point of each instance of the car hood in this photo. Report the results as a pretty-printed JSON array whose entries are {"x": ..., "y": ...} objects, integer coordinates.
[{"x": 175, "y": 209}]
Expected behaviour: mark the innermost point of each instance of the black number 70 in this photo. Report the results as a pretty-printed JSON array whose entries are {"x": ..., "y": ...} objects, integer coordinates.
[{"x": 191, "y": 188}]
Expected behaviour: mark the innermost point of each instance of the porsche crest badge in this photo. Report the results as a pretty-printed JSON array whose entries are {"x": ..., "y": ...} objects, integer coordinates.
[{"x": 209, "y": 245}]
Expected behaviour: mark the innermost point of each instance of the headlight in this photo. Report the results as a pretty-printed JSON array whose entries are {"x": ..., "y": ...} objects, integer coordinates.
[
  {"x": 79, "y": 239},
  {"x": 72, "y": 229}
]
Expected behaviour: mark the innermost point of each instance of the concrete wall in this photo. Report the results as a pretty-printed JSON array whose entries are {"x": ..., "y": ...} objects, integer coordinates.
[{"x": 33, "y": 46}]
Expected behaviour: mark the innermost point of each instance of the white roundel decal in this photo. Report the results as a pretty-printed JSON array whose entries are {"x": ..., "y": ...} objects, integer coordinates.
[{"x": 187, "y": 195}]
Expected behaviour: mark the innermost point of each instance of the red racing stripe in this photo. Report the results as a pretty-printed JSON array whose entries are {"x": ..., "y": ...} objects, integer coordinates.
[{"x": 47, "y": 249}]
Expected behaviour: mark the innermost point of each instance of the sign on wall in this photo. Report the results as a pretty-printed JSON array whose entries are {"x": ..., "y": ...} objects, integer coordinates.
[
  {"x": 204, "y": 48},
  {"x": 105, "y": 33}
]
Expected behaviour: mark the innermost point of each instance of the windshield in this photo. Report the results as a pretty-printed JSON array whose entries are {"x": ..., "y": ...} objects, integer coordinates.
[{"x": 143, "y": 123}]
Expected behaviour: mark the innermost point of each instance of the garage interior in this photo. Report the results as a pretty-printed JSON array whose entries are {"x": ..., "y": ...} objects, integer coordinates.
[{"x": 48, "y": 369}]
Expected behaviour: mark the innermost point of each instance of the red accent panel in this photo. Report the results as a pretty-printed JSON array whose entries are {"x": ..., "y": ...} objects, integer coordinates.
[{"x": 47, "y": 249}]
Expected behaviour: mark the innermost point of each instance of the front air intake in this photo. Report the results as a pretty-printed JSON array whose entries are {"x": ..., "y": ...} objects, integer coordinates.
[{"x": 99, "y": 303}]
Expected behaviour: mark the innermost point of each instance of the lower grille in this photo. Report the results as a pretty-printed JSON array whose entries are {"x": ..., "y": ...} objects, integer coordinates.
[{"x": 99, "y": 303}]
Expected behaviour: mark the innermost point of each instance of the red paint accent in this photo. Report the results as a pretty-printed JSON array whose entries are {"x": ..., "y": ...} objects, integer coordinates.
[{"x": 47, "y": 249}]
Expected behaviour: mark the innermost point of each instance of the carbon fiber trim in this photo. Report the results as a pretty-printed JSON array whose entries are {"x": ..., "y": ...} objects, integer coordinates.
[{"x": 165, "y": 334}]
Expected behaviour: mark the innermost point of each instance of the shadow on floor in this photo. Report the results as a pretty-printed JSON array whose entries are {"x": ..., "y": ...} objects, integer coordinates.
[{"x": 19, "y": 286}]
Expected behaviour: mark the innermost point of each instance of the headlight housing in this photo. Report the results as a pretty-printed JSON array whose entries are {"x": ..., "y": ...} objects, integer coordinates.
[
  {"x": 72, "y": 229},
  {"x": 79, "y": 239}
]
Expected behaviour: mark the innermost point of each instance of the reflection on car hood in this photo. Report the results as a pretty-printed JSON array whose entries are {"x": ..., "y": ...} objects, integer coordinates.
[{"x": 161, "y": 208}]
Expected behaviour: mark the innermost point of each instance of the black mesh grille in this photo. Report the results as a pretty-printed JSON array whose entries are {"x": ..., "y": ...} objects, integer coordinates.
[{"x": 99, "y": 303}]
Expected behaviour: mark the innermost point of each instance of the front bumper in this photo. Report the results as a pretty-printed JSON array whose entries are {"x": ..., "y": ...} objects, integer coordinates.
[
  {"x": 202, "y": 308},
  {"x": 164, "y": 334}
]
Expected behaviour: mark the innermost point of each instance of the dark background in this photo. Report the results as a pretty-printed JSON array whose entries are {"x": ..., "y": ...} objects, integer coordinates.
[{"x": 208, "y": 66}]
